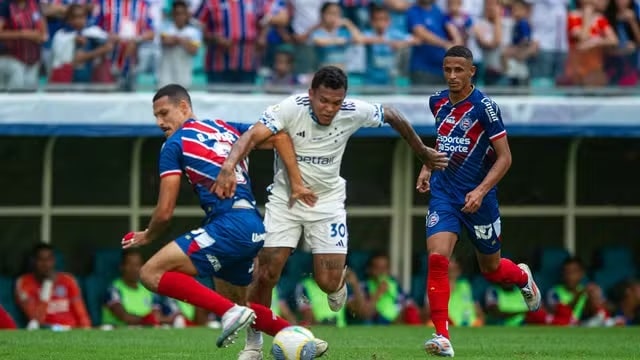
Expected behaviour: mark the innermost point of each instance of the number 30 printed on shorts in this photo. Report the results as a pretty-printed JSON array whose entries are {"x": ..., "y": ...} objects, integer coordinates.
[{"x": 338, "y": 232}]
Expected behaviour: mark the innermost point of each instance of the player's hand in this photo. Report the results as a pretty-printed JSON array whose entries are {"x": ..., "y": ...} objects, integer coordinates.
[
  {"x": 422, "y": 185},
  {"x": 433, "y": 159},
  {"x": 134, "y": 239},
  {"x": 304, "y": 194},
  {"x": 225, "y": 185},
  {"x": 472, "y": 201}
]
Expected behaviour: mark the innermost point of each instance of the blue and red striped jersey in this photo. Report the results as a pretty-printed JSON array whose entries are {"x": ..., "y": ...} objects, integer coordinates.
[
  {"x": 237, "y": 21},
  {"x": 198, "y": 150},
  {"x": 465, "y": 132}
]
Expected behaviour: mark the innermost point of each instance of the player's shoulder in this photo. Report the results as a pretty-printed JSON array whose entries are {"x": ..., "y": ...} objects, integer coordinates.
[
  {"x": 292, "y": 104},
  {"x": 481, "y": 101},
  {"x": 442, "y": 94},
  {"x": 26, "y": 280}
]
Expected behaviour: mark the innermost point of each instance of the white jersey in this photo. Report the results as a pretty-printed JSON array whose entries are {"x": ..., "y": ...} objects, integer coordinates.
[{"x": 318, "y": 148}]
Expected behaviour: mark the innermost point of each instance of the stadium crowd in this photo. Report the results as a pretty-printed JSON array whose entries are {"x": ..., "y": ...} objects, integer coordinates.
[
  {"x": 45, "y": 297},
  {"x": 280, "y": 42}
]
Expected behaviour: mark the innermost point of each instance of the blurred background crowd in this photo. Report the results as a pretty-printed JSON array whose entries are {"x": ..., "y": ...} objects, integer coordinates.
[
  {"x": 112, "y": 295},
  {"x": 133, "y": 43}
]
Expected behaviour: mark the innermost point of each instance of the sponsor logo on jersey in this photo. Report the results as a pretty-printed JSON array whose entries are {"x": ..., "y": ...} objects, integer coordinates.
[
  {"x": 316, "y": 160},
  {"x": 491, "y": 113},
  {"x": 483, "y": 232},
  {"x": 432, "y": 219},
  {"x": 301, "y": 133},
  {"x": 453, "y": 144},
  {"x": 465, "y": 123},
  {"x": 450, "y": 120}
]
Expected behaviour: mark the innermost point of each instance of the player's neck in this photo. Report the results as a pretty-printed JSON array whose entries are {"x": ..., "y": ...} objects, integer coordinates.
[{"x": 456, "y": 97}]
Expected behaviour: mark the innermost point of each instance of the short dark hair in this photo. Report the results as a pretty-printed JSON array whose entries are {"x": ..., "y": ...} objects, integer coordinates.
[
  {"x": 179, "y": 3},
  {"x": 175, "y": 92},
  {"x": 376, "y": 8},
  {"x": 331, "y": 77},
  {"x": 459, "y": 51},
  {"x": 376, "y": 255},
  {"x": 129, "y": 252},
  {"x": 573, "y": 260},
  {"x": 326, "y": 5},
  {"x": 71, "y": 9},
  {"x": 39, "y": 248}
]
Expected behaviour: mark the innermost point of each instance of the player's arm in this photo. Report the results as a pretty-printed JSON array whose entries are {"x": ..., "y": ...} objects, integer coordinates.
[
  {"x": 429, "y": 156},
  {"x": 29, "y": 301},
  {"x": 491, "y": 119},
  {"x": 78, "y": 307},
  {"x": 167, "y": 198}
]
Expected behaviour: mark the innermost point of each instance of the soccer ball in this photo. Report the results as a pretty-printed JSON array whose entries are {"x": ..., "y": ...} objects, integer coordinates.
[{"x": 294, "y": 343}]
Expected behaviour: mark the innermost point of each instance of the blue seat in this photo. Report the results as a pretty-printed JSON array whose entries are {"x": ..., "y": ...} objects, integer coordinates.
[
  {"x": 551, "y": 259},
  {"x": 357, "y": 262},
  {"x": 8, "y": 300},
  {"x": 479, "y": 287},
  {"x": 61, "y": 264},
  {"x": 107, "y": 263},
  {"x": 615, "y": 257},
  {"x": 94, "y": 291},
  {"x": 608, "y": 278},
  {"x": 418, "y": 288}
]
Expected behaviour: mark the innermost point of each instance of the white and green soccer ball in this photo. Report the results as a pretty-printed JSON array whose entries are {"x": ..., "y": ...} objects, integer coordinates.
[{"x": 294, "y": 343}]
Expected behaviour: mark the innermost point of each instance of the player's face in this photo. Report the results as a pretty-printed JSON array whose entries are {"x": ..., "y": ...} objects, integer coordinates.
[
  {"x": 131, "y": 267},
  {"x": 458, "y": 72},
  {"x": 45, "y": 263},
  {"x": 170, "y": 115},
  {"x": 572, "y": 274},
  {"x": 326, "y": 102},
  {"x": 379, "y": 267}
]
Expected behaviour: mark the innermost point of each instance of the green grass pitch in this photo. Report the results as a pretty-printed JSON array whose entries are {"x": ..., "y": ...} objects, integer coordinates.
[{"x": 356, "y": 342}]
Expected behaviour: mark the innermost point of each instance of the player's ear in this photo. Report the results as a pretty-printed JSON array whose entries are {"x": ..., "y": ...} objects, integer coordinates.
[
  {"x": 184, "y": 107},
  {"x": 473, "y": 70}
]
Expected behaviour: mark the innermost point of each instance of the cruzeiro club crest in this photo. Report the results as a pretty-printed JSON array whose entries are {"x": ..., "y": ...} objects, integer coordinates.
[{"x": 432, "y": 219}]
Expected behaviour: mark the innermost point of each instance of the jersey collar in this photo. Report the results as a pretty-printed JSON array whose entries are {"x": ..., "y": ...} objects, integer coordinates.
[
  {"x": 473, "y": 89},
  {"x": 313, "y": 116}
]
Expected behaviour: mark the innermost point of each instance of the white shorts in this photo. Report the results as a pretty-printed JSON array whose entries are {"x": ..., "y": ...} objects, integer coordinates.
[{"x": 326, "y": 234}]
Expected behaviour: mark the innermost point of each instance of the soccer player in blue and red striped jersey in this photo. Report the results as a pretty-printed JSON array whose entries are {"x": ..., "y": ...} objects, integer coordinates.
[
  {"x": 232, "y": 232},
  {"x": 470, "y": 131},
  {"x": 231, "y": 30}
]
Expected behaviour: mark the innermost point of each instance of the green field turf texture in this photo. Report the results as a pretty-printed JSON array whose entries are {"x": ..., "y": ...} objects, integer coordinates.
[{"x": 361, "y": 343}]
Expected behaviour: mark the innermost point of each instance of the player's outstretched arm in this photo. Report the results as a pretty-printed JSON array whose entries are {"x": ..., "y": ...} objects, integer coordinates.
[
  {"x": 429, "y": 156},
  {"x": 225, "y": 185},
  {"x": 284, "y": 146}
]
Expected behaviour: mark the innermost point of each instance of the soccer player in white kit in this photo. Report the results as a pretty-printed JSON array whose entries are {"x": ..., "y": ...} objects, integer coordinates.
[{"x": 320, "y": 124}]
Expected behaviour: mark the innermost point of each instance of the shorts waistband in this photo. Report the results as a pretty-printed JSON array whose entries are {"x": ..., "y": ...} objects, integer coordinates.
[{"x": 242, "y": 204}]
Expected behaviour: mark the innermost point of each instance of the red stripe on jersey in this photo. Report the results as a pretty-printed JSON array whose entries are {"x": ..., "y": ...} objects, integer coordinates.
[
  {"x": 235, "y": 18},
  {"x": 439, "y": 105},
  {"x": 193, "y": 247},
  {"x": 499, "y": 135},
  {"x": 227, "y": 127},
  {"x": 457, "y": 113},
  {"x": 171, "y": 172},
  {"x": 200, "y": 126},
  {"x": 198, "y": 149},
  {"x": 474, "y": 134}
]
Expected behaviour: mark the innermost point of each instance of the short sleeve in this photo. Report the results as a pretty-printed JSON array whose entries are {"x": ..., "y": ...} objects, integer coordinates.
[
  {"x": 113, "y": 296},
  {"x": 73, "y": 288},
  {"x": 241, "y": 127},
  {"x": 23, "y": 290},
  {"x": 490, "y": 117},
  {"x": 277, "y": 117},
  {"x": 170, "y": 155},
  {"x": 413, "y": 19},
  {"x": 491, "y": 297},
  {"x": 367, "y": 114}
]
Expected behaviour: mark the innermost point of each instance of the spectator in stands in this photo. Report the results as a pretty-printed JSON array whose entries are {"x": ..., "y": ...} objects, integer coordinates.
[
  {"x": 333, "y": 36},
  {"x": 78, "y": 50},
  {"x": 49, "y": 298},
  {"x": 282, "y": 73},
  {"x": 314, "y": 308},
  {"x": 130, "y": 25},
  {"x": 505, "y": 305},
  {"x": 180, "y": 43},
  {"x": 515, "y": 57},
  {"x": 231, "y": 32},
  {"x": 6, "y": 321},
  {"x": 386, "y": 301},
  {"x": 460, "y": 21},
  {"x": 590, "y": 35},
  {"x": 426, "y": 22},
  {"x": 491, "y": 36},
  {"x": 463, "y": 309},
  {"x": 572, "y": 297},
  {"x": 305, "y": 19},
  {"x": 149, "y": 52},
  {"x": 383, "y": 43},
  {"x": 357, "y": 11},
  {"x": 179, "y": 314},
  {"x": 622, "y": 62},
  {"x": 127, "y": 301},
  {"x": 626, "y": 298},
  {"x": 22, "y": 31},
  {"x": 549, "y": 32}
]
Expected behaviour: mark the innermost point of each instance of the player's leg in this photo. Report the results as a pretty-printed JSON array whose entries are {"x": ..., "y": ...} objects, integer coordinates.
[
  {"x": 484, "y": 227},
  {"x": 329, "y": 241},
  {"x": 442, "y": 229}
]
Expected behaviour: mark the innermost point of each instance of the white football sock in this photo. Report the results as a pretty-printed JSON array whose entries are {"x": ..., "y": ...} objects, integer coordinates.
[{"x": 254, "y": 339}]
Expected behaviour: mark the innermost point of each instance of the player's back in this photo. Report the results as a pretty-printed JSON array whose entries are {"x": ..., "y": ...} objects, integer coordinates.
[
  {"x": 465, "y": 131},
  {"x": 204, "y": 146}
]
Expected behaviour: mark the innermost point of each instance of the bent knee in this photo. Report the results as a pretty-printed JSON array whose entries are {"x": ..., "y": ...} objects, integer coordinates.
[
  {"x": 329, "y": 283},
  {"x": 150, "y": 276}
]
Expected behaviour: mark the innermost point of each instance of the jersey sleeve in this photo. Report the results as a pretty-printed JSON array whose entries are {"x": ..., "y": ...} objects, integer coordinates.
[
  {"x": 278, "y": 117},
  {"x": 367, "y": 114},
  {"x": 490, "y": 117},
  {"x": 113, "y": 296},
  {"x": 170, "y": 155},
  {"x": 241, "y": 127}
]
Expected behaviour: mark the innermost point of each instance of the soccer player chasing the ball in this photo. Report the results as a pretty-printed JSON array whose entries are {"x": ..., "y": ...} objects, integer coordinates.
[
  {"x": 320, "y": 123},
  {"x": 470, "y": 130},
  {"x": 232, "y": 232}
]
